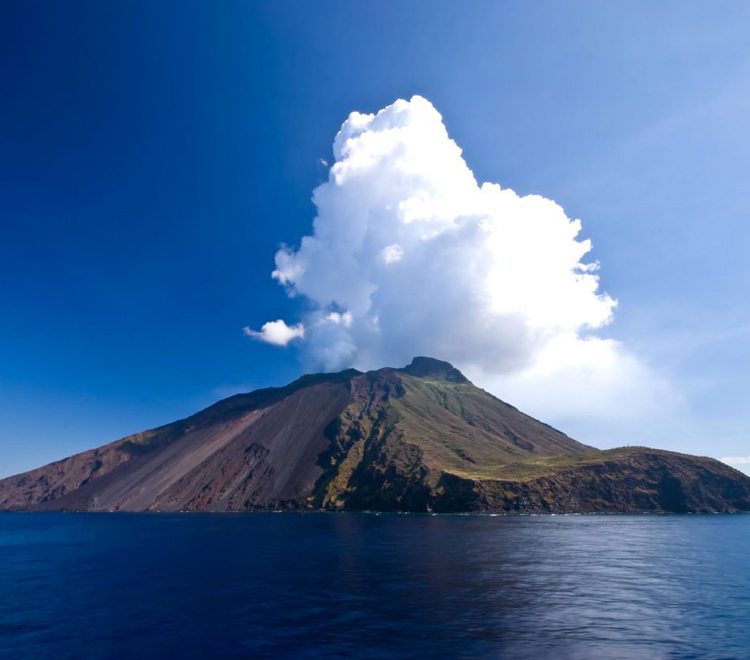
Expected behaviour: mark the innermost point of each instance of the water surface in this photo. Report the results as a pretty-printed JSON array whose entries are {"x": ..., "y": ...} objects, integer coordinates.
[{"x": 355, "y": 585}]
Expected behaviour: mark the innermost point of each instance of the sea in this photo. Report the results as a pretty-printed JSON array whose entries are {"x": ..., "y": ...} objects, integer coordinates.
[{"x": 345, "y": 585}]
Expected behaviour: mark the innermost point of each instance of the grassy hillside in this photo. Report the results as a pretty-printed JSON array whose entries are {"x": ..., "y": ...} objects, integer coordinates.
[{"x": 464, "y": 430}]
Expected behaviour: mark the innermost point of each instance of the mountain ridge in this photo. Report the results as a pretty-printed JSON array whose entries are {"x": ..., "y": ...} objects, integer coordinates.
[{"x": 419, "y": 438}]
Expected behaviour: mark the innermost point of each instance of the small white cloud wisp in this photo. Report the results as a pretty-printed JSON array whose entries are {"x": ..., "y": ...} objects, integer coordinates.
[
  {"x": 276, "y": 332},
  {"x": 741, "y": 463},
  {"x": 410, "y": 255}
]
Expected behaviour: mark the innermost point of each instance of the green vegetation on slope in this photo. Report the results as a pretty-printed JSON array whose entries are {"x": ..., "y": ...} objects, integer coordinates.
[
  {"x": 464, "y": 430},
  {"x": 403, "y": 433}
]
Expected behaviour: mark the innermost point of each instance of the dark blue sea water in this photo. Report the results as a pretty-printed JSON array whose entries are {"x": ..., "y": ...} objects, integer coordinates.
[{"x": 346, "y": 585}]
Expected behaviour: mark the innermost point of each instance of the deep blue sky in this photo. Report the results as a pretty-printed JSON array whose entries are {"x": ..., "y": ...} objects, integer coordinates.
[{"x": 154, "y": 154}]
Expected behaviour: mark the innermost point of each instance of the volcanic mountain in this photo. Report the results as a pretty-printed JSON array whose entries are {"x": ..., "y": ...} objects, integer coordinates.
[{"x": 422, "y": 438}]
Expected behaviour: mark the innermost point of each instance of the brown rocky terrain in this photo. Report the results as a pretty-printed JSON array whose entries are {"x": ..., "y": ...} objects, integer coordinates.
[{"x": 421, "y": 438}]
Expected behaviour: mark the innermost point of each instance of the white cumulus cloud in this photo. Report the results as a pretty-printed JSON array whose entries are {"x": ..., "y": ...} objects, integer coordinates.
[
  {"x": 277, "y": 333},
  {"x": 421, "y": 259},
  {"x": 426, "y": 260}
]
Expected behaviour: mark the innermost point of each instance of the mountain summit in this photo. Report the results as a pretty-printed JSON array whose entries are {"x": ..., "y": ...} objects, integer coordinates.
[
  {"x": 421, "y": 438},
  {"x": 426, "y": 367}
]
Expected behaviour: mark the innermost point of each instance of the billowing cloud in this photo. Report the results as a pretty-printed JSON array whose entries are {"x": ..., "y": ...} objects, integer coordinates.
[
  {"x": 420, "y": 259},
  {"x": 277, "y": 333}
]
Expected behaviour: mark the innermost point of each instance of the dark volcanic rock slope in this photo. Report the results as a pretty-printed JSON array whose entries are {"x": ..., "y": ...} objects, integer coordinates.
[{"x": 415, "y": 439}]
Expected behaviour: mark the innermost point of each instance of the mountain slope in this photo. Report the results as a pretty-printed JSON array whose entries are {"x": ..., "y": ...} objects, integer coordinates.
[{"x": 414, "y": 439}]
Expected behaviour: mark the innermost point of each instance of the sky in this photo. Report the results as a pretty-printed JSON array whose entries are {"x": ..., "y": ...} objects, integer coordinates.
[{"x": 161, "y": 162}]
